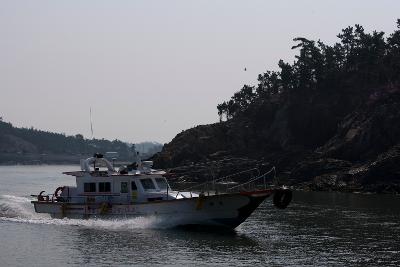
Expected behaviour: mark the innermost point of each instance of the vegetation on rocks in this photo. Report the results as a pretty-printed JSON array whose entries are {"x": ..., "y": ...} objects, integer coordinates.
[
  {"x": 32, "y": 146},
  {"x": 328, "y": 121}
]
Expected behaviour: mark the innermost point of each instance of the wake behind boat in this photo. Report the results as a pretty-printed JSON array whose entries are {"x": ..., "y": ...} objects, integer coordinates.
[{"x": 142, "y": 191}]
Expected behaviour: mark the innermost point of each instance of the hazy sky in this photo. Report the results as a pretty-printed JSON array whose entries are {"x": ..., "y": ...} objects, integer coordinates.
[{"x": 150, "y": 69}]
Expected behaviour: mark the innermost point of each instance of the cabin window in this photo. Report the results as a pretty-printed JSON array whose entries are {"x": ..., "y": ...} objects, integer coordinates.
[
  {"x": 105, "y": 187},
  {"x": 89, "y": 187},
  {"x": 124, "y": 187},
  {"x": 147, "y": 184},
  {"x": 133, "y": 186},
  {"x": 162, "y": 184}
]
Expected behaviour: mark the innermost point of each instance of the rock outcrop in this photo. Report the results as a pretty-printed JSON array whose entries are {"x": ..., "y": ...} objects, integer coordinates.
[{"x": 323, "y": 144}]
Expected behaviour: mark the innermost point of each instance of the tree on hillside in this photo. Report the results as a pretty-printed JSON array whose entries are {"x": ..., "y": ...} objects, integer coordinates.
[{"x": 358, "y": 62}]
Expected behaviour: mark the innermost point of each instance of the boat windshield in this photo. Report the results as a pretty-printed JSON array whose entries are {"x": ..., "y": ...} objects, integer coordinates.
[
  {"x": 162, "y": 183},
  {"x": 147, "y": 184}
]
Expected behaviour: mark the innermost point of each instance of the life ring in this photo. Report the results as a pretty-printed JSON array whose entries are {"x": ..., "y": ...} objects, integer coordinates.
[
  {"x": 58, "y": 191},
  {"x": 282, "y": 198},
  {"x": 40, "y": 197}
]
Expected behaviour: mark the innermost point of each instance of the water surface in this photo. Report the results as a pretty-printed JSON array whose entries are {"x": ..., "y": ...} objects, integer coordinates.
[{"x": 333, "y": 229}]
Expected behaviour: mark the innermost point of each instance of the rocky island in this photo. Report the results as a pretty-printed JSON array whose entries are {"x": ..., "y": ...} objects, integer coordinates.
[{"x": 328, "y": 121}]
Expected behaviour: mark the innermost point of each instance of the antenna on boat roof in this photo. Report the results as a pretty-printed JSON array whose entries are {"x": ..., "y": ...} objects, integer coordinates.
[{"x": 91, "y": 124}]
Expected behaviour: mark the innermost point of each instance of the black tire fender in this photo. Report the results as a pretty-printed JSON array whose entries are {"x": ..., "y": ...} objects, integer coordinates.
[{"x": 282, "y": 198}]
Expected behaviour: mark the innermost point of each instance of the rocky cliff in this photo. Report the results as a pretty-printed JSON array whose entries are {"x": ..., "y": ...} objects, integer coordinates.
[
  {"x": 312, "y": 146},
  {"x": 329, "y": 121}
]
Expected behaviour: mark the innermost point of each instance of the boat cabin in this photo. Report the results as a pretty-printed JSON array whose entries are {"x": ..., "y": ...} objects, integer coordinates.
[{"x": 99, "y": 184}]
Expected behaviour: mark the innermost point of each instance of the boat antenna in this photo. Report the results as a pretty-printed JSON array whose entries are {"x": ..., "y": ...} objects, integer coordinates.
[{"x": 91, "y": 123}]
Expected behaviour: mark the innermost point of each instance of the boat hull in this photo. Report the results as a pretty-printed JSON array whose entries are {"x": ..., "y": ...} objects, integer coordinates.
[{"x": 227, "y": 210}]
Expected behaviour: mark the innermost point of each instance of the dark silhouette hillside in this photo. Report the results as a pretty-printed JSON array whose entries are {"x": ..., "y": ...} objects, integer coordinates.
[
  {"x": 23, "y": 145},
  {"x": 328, "y": 121}
]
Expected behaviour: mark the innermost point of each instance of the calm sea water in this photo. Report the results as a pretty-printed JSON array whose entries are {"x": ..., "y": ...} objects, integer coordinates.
[{"x": 316, "y": 229}]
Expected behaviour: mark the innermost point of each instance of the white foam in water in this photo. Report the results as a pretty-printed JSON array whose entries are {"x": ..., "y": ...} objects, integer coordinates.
[
  {"x": 14, "y": 206},
  {"x": 20, "y": 210}
]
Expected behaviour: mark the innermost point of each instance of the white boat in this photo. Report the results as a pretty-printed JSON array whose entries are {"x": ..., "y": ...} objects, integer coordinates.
[{"x": 143, "y": 191}]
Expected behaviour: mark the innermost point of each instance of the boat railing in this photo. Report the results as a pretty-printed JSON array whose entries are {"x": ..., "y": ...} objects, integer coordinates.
[
  {"x": 221, "y": 180},
  {"x": 230, "y": 184},
  {"x": 259, "y": 182}
]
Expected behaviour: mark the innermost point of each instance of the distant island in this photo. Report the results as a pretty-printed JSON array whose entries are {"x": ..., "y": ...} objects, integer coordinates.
[
  {"x": 328, "y": 121},
  {"x": 32, "y": 146}
]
